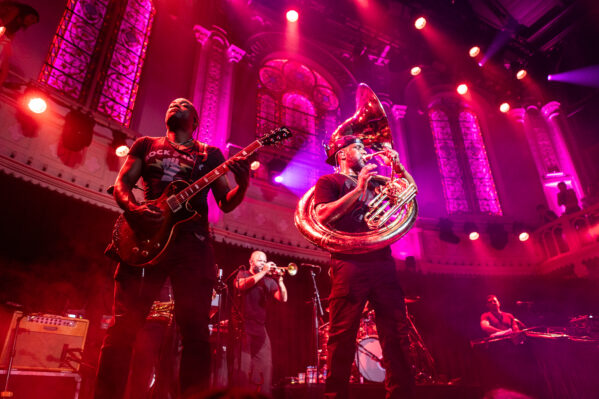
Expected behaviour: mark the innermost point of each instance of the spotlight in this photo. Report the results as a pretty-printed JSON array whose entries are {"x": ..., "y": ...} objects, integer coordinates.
[
  {"x": 474, "y": 51},
  {"x": 420, "y": 23},
  {"x": 549, "y": 77},
  {"x": 119, "y": 143},
  {"x": 521, "y": 74},
  {"x": 2, "y": 30},
  {"x": 504, "y": 107},
  {"x": 78, "y": 130},
  {"x": 292, "y": 16},
  {"x": 471, "y": 230},
  {"x": 278, "y": 179},
  {"x": 255, "y": 165},
  {"x": 521, "y": 231},
  {"x": 37, "y": 105},
  {"x": 415, "y": 71},
  {"x": 462, "y": 89}
]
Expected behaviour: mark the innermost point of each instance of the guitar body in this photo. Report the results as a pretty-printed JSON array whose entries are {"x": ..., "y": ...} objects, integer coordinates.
[{"x": 145, "y": 247}]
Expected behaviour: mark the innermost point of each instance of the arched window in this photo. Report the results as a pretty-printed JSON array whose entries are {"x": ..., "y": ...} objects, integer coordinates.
[
  {"x": 466, "y": 174},
  {"x": 72, "y": 65},
  {"x": 294, "y": 95}
]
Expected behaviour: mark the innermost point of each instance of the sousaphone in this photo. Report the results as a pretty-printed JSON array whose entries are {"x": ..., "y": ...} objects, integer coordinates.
[{"x": 393, "y": 211}]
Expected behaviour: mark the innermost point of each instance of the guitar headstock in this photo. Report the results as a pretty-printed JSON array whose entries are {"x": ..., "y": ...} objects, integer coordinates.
[{"x": 275, "y": 136}]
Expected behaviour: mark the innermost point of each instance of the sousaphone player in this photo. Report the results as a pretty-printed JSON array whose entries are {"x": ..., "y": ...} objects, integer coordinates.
[{"x": 356, "y": 216}]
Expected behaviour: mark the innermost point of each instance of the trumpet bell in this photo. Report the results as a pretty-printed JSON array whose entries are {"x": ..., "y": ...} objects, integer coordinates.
[{"x": 292, "y": 269}]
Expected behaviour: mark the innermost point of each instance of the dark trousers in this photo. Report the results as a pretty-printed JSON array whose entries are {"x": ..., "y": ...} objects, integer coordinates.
[
  {"x": 353, "y": 284},
  {"x": 190, "y": 266},
  {"x": 252, "y": 367}
]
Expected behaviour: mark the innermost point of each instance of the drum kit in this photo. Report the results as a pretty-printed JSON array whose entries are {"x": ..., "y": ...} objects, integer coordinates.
[{"x": 368, "y": 359}]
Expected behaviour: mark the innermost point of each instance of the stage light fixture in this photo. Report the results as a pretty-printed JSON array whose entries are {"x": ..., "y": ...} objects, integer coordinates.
[
  {"x": 420, "y": 23},
  {"x": 504, "y": 107},
  {"x": 446, "y": 231},
  {"x": 119, "y": 143},
  {"x": 278, "y": 179},
  {"x": 521, "y": 231},
  {"x": 524, "y": 236},
  {"x": 474, "y": 51},
  {"x": 255, "y": 165},
  {"x": 78, "y": 130},
  {"x": 498, "y": 235},
  {"x": 472, "y": 231},
  {"x": 521, "y": 74},
  {"x": 37, "y": 105},
  {"x": 549, "y": 77},
  {"x": 415, "y": 71},
  {"x": 462, "y": 89},
  {"x": 292, "y": 16}
]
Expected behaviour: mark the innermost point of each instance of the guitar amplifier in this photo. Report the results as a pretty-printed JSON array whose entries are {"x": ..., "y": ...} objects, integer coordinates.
[{"x": 45, "y": 342}]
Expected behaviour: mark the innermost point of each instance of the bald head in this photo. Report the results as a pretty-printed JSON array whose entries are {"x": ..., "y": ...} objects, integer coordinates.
[{"x": 257, "y": 261}]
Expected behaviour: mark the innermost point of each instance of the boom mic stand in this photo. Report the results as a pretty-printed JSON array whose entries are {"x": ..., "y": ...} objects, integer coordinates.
[
  {"x": 13, "y": 351},
  {"x": 222, "y": 292},
  {"x": 316, "y": 312}
]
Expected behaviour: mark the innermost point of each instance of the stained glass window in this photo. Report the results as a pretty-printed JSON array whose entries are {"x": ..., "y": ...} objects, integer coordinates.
[
  {"x": 466, "y": 174},
  {"x": 73, "y": 62}
]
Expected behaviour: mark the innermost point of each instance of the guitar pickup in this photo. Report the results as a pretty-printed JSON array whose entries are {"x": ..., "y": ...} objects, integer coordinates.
[{"x": 173, "y": 203}]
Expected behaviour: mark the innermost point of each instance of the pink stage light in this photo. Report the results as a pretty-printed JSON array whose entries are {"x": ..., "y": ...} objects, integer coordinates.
[
  {"x": 420, "y": 23},
  {"x": 415, "y": 71},
  {"x": 292, "y": 16},
  {"x": 524, "y": 236},
  {"x": 278, "y": 179},
  {"x": 474, "y": 236},
  {"x": 549, "y": 77},
  {"x": 462, "y": 89},
  {"x": 37, "y": 105},
  {"x": 122, "y": 151},
  {"x": 521, "y": 74},
  {"x": 504, "y": 107},
  {"x": 474, "y": 51},
  {"x": 255, "y": 165}
]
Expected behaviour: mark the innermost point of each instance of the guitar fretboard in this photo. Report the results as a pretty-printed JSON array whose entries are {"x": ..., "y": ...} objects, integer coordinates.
[{"x": 203, "y": 182}]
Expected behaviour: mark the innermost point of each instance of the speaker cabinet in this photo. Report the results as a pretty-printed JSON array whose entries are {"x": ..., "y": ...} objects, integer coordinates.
[
  {"x": 42, "y": 384},
  {"x": 45, "y": 342}
]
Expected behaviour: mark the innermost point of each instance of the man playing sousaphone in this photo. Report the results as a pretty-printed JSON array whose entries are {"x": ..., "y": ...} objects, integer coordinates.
[{"x": 341, "y": 203}]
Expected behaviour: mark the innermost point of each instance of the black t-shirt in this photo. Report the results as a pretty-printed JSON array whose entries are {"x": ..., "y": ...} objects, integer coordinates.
[
  {"x": 252, "y": 304},
  {"x": 330, "y": 188},
  {"x": 162, "y": 164}
]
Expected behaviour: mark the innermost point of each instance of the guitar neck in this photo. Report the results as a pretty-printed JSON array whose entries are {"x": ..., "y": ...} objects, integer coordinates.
[{"x": 203, "y": 182}]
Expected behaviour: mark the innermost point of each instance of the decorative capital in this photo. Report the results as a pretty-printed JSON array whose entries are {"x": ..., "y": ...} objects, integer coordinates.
[
  {"x": 399, "y": 111},
  {"x": 235, "y": 54},
  {"x": 551, "y": 109},
  {"x": 202, "y": 34}
]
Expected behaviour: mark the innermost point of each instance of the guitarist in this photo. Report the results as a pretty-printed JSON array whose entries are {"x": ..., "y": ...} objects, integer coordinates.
[{"x": 188, "y": 260}]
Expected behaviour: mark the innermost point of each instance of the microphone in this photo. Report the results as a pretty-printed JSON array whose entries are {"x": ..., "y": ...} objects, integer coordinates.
[
  {"x": 524, "y": 302},
  {"x": 220, "y": 274},
  {"x": 310, "y": 266}
]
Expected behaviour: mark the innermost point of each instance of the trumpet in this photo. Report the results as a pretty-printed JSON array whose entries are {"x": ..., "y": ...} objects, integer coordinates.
[{"x": 275, "y": 270}]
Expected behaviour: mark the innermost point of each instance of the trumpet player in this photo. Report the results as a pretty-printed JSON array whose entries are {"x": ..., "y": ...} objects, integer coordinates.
[
  {"x": 252, "y": 366},
  {"x": 340, "y": 202}
]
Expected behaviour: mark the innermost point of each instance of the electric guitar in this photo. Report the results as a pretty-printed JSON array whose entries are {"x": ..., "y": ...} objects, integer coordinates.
[{"x": 143, "y": 248}]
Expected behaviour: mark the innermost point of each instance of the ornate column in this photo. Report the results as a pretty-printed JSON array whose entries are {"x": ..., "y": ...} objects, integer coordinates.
[
  {"x": 212, "y": 88},
  {"x": 559, "y": 129}
]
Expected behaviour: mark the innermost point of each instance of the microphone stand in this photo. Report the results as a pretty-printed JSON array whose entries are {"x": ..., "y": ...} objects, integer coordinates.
[
  {"x": 316, "y": 312},
  {"x": 13, "y": 351},
  {"x": 221, "y": 290}
]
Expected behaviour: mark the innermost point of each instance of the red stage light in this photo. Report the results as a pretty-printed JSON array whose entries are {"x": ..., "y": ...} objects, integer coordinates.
[
  {"x": 415, "y": 71},
  {"x": 474, "y": 51},
  {"x": 521, "y": 74},
  {"x": 122, "y": 151},
  {"x": 462, "y": 89},
  {"x": 37, "y": 105},
  {"x": 420, "y": 23},
  {"x": 292, "y": 16},
  {"x": 524, "y": 236},
  {"x": 473, "y": 236},
  {"x": 255, "y": 165},
  {"x": 504, "y": 107}
]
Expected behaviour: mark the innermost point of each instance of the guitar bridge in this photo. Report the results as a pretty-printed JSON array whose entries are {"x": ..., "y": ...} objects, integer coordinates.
[{"x": 173, "y": 203}]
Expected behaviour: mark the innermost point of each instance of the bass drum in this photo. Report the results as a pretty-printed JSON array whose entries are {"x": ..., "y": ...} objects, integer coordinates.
[{"x": 369, "y": 359}]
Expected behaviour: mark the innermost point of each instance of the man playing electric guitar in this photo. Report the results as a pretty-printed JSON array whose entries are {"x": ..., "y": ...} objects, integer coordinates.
[{"x": 188, "y": 260}]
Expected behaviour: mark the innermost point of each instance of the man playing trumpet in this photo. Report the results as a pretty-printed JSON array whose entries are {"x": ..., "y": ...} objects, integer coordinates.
[
  {"x": 253, "y": 361},
  {"x": 340, "y": 201}
]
